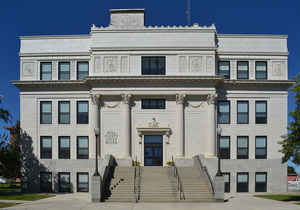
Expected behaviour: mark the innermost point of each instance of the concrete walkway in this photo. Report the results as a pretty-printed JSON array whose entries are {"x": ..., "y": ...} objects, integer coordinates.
[{"x": 81, "y": 201}]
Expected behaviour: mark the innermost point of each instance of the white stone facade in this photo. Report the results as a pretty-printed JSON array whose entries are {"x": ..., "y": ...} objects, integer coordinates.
[{"x": 189, "y": 87}]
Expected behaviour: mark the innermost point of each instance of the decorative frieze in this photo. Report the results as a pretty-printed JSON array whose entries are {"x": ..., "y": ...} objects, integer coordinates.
[
  {"x": 183, "y": 64},
  {"x": 195, "y": 63},
  {"x": 28, "y": 69},
  {"x": 111, "y": 64},
  {"x": 124, "y": 64},
  {"x": 97, "y": 64},
  {"x": 278, "y": 68},
  {"x": 209, "y": 63}
]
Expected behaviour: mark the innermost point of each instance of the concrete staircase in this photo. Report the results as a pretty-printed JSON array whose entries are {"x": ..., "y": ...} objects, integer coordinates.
[{"x": 195, "y": 187}]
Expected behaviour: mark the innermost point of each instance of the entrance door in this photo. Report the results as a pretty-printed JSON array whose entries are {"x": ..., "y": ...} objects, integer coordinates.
[{"x": 153, "y": 151}]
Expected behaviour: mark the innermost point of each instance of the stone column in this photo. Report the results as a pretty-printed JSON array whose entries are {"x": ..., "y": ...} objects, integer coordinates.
[
  {"x": 126, "y": 118},
  {"x": 180, "y": 98},
  {"x": 212, "y": 119},
  {"x": 96, "y": 104}
]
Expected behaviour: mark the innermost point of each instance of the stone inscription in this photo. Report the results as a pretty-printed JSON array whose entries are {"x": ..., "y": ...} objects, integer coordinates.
[{"x": 111, "y": 137}]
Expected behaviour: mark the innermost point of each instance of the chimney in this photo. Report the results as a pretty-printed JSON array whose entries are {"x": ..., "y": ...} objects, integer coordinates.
[{"x": 127, "y": 18}]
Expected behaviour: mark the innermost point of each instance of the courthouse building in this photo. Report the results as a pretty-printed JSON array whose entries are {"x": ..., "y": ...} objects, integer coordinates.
[{"x": 155, "y": 94}]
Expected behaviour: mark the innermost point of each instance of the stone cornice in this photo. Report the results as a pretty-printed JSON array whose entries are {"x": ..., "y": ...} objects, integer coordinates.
[
  {"x": 239, "y": 53},
  {"x": 79, "y": 36},
  {"x": 153, "y": 48},
  {"x": 268, "y": 36},
  {"x": 263, "y": 85},
  {"x": 49, "y": 54}
]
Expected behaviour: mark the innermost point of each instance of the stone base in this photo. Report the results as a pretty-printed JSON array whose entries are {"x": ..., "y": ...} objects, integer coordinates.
[
  {"x": 184, "y": 162},
  {"x": 96, "y": 189},
  {"x": 219, "y": 188},
  {"x": 125, "y": 162}
]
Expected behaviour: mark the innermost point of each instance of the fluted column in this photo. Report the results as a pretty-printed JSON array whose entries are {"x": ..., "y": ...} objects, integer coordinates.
[
  {"x": 126, "y": 118},
  {"x": 212, "y": 119},
  {"x": 180, "y": 99}
]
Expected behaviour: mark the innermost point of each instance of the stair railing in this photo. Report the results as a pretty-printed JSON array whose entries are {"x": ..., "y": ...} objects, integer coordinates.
[
  {"x": 178, "y": 181},
  {"x": 204, "y": 172},
  {"x": 136, "y": 182}
]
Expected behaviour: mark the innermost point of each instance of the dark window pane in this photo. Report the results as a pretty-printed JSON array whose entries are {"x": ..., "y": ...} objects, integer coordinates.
[
  {"x": 82, "y": 70},
  {"x": 242, "y": 147},
  {"x": 45, "y": 112},
  {"x": 242, "y": 112},
  {"x": 226, "y": 182},
  {"x": 82, "y": 147},
  {"x": 224, "y": 149},
  {"x": 261, "y": 70},
  {"x": 261, "y": 112},
  {"x": 261, "y": 147},
  {"x": 243, "y": 70},
  {"x": 64, "y": 112},
  {"x": 223, "y": 112},
  {"x": 46, "y": 71},
  {"x": 82, "y": 112},
  {"x": 153, "y": 103},
  {"x": 64, "y": 147},
  {"x": 46, "y": 182},
  {"x": 261, "y": 182},
  {"x": 224, "y": 69},
  {"x": 64, "y": 71},
  {"x": 82, "y": 182},
  {"x": 64, "y": 182},
  {"x": 153, "y": 65},
  {"x": 242, "y": 182},
  {"x": 46, "y": 147}
]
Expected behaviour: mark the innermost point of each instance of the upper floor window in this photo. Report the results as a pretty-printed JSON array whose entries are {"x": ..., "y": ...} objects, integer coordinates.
[
  {"x": 82, "y": 112},
  {"x": 64, "y": 112},
  {"x": 260, "y": 147},
  {"x": 45, "y": 112},
  {"x": 46, "y": 71},
  {"x": 64, "y": 147},
  {"x": 46, "y": 147},
  {"x": 242, "y": 182},
  {"x": 261, "y": 112},
  {"x": 224, "y": 147},
  {"x": 153, "y": 103},
  {"x": 242, "y": 147},
  {"x": 226, "y": 182},
  {"x": 261, "y": 70},
  {"x": 224, "y": 112},
  {"x": 242, "y": 70},
  {"x": 82, "y": 70},
  {"x": 224, "y": 69},
  {"x": 242, "y": 112},
  {"x": 82, "y": 147},
  {"x": 153, "y": 65},
  {"x": 64, "y": 70},
  {"x": 260, "y": 182}
]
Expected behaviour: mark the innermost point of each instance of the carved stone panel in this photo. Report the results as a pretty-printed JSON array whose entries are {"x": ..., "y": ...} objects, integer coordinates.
[
  {"x": 195, "y": 63},
  {"x": 183, "y": 64},
  {"x": 127, "y": 20},
  {"x": 209, "y": 64},
  {"x": 277, "y": 68},
  {"x": 111, "y": 64},
  {"x": 111, "y": 137},
  {"x": 124, "y": 64},
  {"x": 97, "y": 64},
  {"x": 28, "y": 69}
]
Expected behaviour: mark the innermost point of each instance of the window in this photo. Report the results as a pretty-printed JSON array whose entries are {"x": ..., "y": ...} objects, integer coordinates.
[
  {"x": 82, "y": 112},
  {"x": 82, "y": 182},
  {"x": 64, "y": 183},
  {"x": 224, "y": 69},
  {"x": 224, "y": 145},
  {"x": 153, "y": 65},
  {"x": 82, "y": 147},
  {"x": 82, "y": 70},
  {"x": 242, "y": 182},
  {"x": 46, "y": 182},
  {"x": 242, "y": 112},
  {"x": 64, "y": 112},
  {"x": 260, "y": 182},
  {"x": 261, "y": 112},
  {"x": 46, "y": 71},
  {"x": 242, "y": 70},
  {"x": 226, "y": 182},
  {"x": 64, "y": 70},
  {"x": 46, "y": 147},
  {"x": 46, "y": 112},
  {"x": 64, "y": 147},
  {"x": 224, "y": 112},
  {"x": 242, "y": 147},
  {"x": 261, "y": 147},
  {"x": 153, "y": 103},
  {"x": 261, "y": 70}
]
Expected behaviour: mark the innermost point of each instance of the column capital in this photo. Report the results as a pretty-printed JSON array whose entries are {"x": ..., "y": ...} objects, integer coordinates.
[
  {"x": 126, "y": 98},
  {"x": 211, "y": 98},
  {"x": 95, "y": 98},
  {"x": 180, "y": 98}
]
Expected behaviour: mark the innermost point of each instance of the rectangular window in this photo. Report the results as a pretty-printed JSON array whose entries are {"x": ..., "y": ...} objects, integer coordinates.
[
  {"x": 260, "y": 112},
  {"x": 46, "y": 71},
  {"x": 242, "y": 112},
  {"x": 46, "y": 147},
  {"x": 242, "y": 70},
  {"x": 224, "y": 69},
  {"x": 82, "y": 147},
  {"x": 242, "y": 147},
  {"x": 242, "y": 182},
  {"x": 226, "y": 182},
  {"x": 261, "y": 70},
  {"x": 153, "y": 65},
  {"x": 224, "y": 145},
  {"x": 64, "y": 71},
  {"x": 46, "y": 112},
  {"x": 153, "y": 103},
  {"x": 260, "y": 182},
  {"x": 64, "y": 147},
  {"x": 64, "y": 112},
  {"x": 82, "y": 112},
  {"x": 82, "y": 70},
  {"x": 45, "y": 181},
  {"x": 260, "y": 147},
  {"x": 64, "y": 182},
  {"x": 82, "y": 182},
  {"x": 224, "y": 112}
]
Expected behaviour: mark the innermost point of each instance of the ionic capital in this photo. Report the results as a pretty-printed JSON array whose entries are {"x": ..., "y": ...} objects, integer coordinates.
[
  {"x": 126, "y": 98},
  {"x": 180, "y": 98},
  {"x": 211, "y": 98},
  {"x": 95, "y": 98}
]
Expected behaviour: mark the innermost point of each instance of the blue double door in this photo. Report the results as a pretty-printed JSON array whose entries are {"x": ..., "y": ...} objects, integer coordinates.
[{"x": 153, "y": 150}]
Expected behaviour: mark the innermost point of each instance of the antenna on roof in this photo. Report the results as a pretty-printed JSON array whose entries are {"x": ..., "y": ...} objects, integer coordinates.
[{"x": 188, "y": 12}]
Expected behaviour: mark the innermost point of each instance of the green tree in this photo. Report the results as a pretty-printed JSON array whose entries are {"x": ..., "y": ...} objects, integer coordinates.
[
  {"x": 291, "y": 141},
  {"x": 4, "y": 114},
  {"x": 291, "y": 170}
]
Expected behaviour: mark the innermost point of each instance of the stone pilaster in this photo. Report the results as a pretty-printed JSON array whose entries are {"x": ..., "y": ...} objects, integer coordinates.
[
  {"x": 212, "y": 118},
  {"x": 96, "y": 104},
  {"x": 180, "y": 100},
  {"x": 126, "y": 118}
]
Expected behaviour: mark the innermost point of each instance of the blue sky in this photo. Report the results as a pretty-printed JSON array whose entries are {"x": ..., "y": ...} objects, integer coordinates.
[{"x": 41, "y": 17}]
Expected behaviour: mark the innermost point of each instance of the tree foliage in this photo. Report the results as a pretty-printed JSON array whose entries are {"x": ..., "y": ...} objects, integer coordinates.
[
  {"x": 4, "y": 114},
  {"x": 291, "y": 170},
  {"x": 291, "y": 141}
]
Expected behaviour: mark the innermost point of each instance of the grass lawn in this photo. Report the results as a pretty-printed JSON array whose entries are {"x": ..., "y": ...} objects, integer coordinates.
[
  {"x": 281, "y": 197},
  {"x": 4, "y": 205},
  {"x": 9, "y": 188},
  {"x": 25, "y": 197}
]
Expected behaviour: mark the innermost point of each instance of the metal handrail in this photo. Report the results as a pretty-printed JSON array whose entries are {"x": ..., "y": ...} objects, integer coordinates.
[
  {"x": 179, "y": 182},
  {"x": 205, "y": 173},
  {"x": 136, "y": 183}
]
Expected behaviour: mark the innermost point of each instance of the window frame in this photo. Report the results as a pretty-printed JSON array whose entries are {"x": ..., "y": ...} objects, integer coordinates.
[
  {"x": 237, "y": 181},
  {"x": 144, "y": 71},
  {"x": 43, "y": 153},
  {"x": 229, "y": 70},
  {"x": 77, "y": 112},
  {"x": 238, "y": 62},
  {"x": 156, "y": 103},
  {"x": 77, "y": 69},
  {"x": 266, "y": 120},
  {"x": 265, "y": 183},
  {"x": 77, "y": 181},
  {"x": 237, "y": 148},
  {"x": 237, "y": 111},
  {"x": 59, "y": 69},
  {"x": 41, "y": 111},
  {"x": 266, "y": 70},
  {"x": 60, "y": 152},
  {"x": 42, "y": 189},
  {"x": 266, "y": 148},
  {"x": 228, "y": 155},
  {"x": 80, "y": 156},
  {"x": 59, "y": 181},
  {"x": 218, "y": 111},
  {"x": 41, "y": 70},
  {"x": 59, "y": 112},
  {"x": 227, "y": 184}
]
